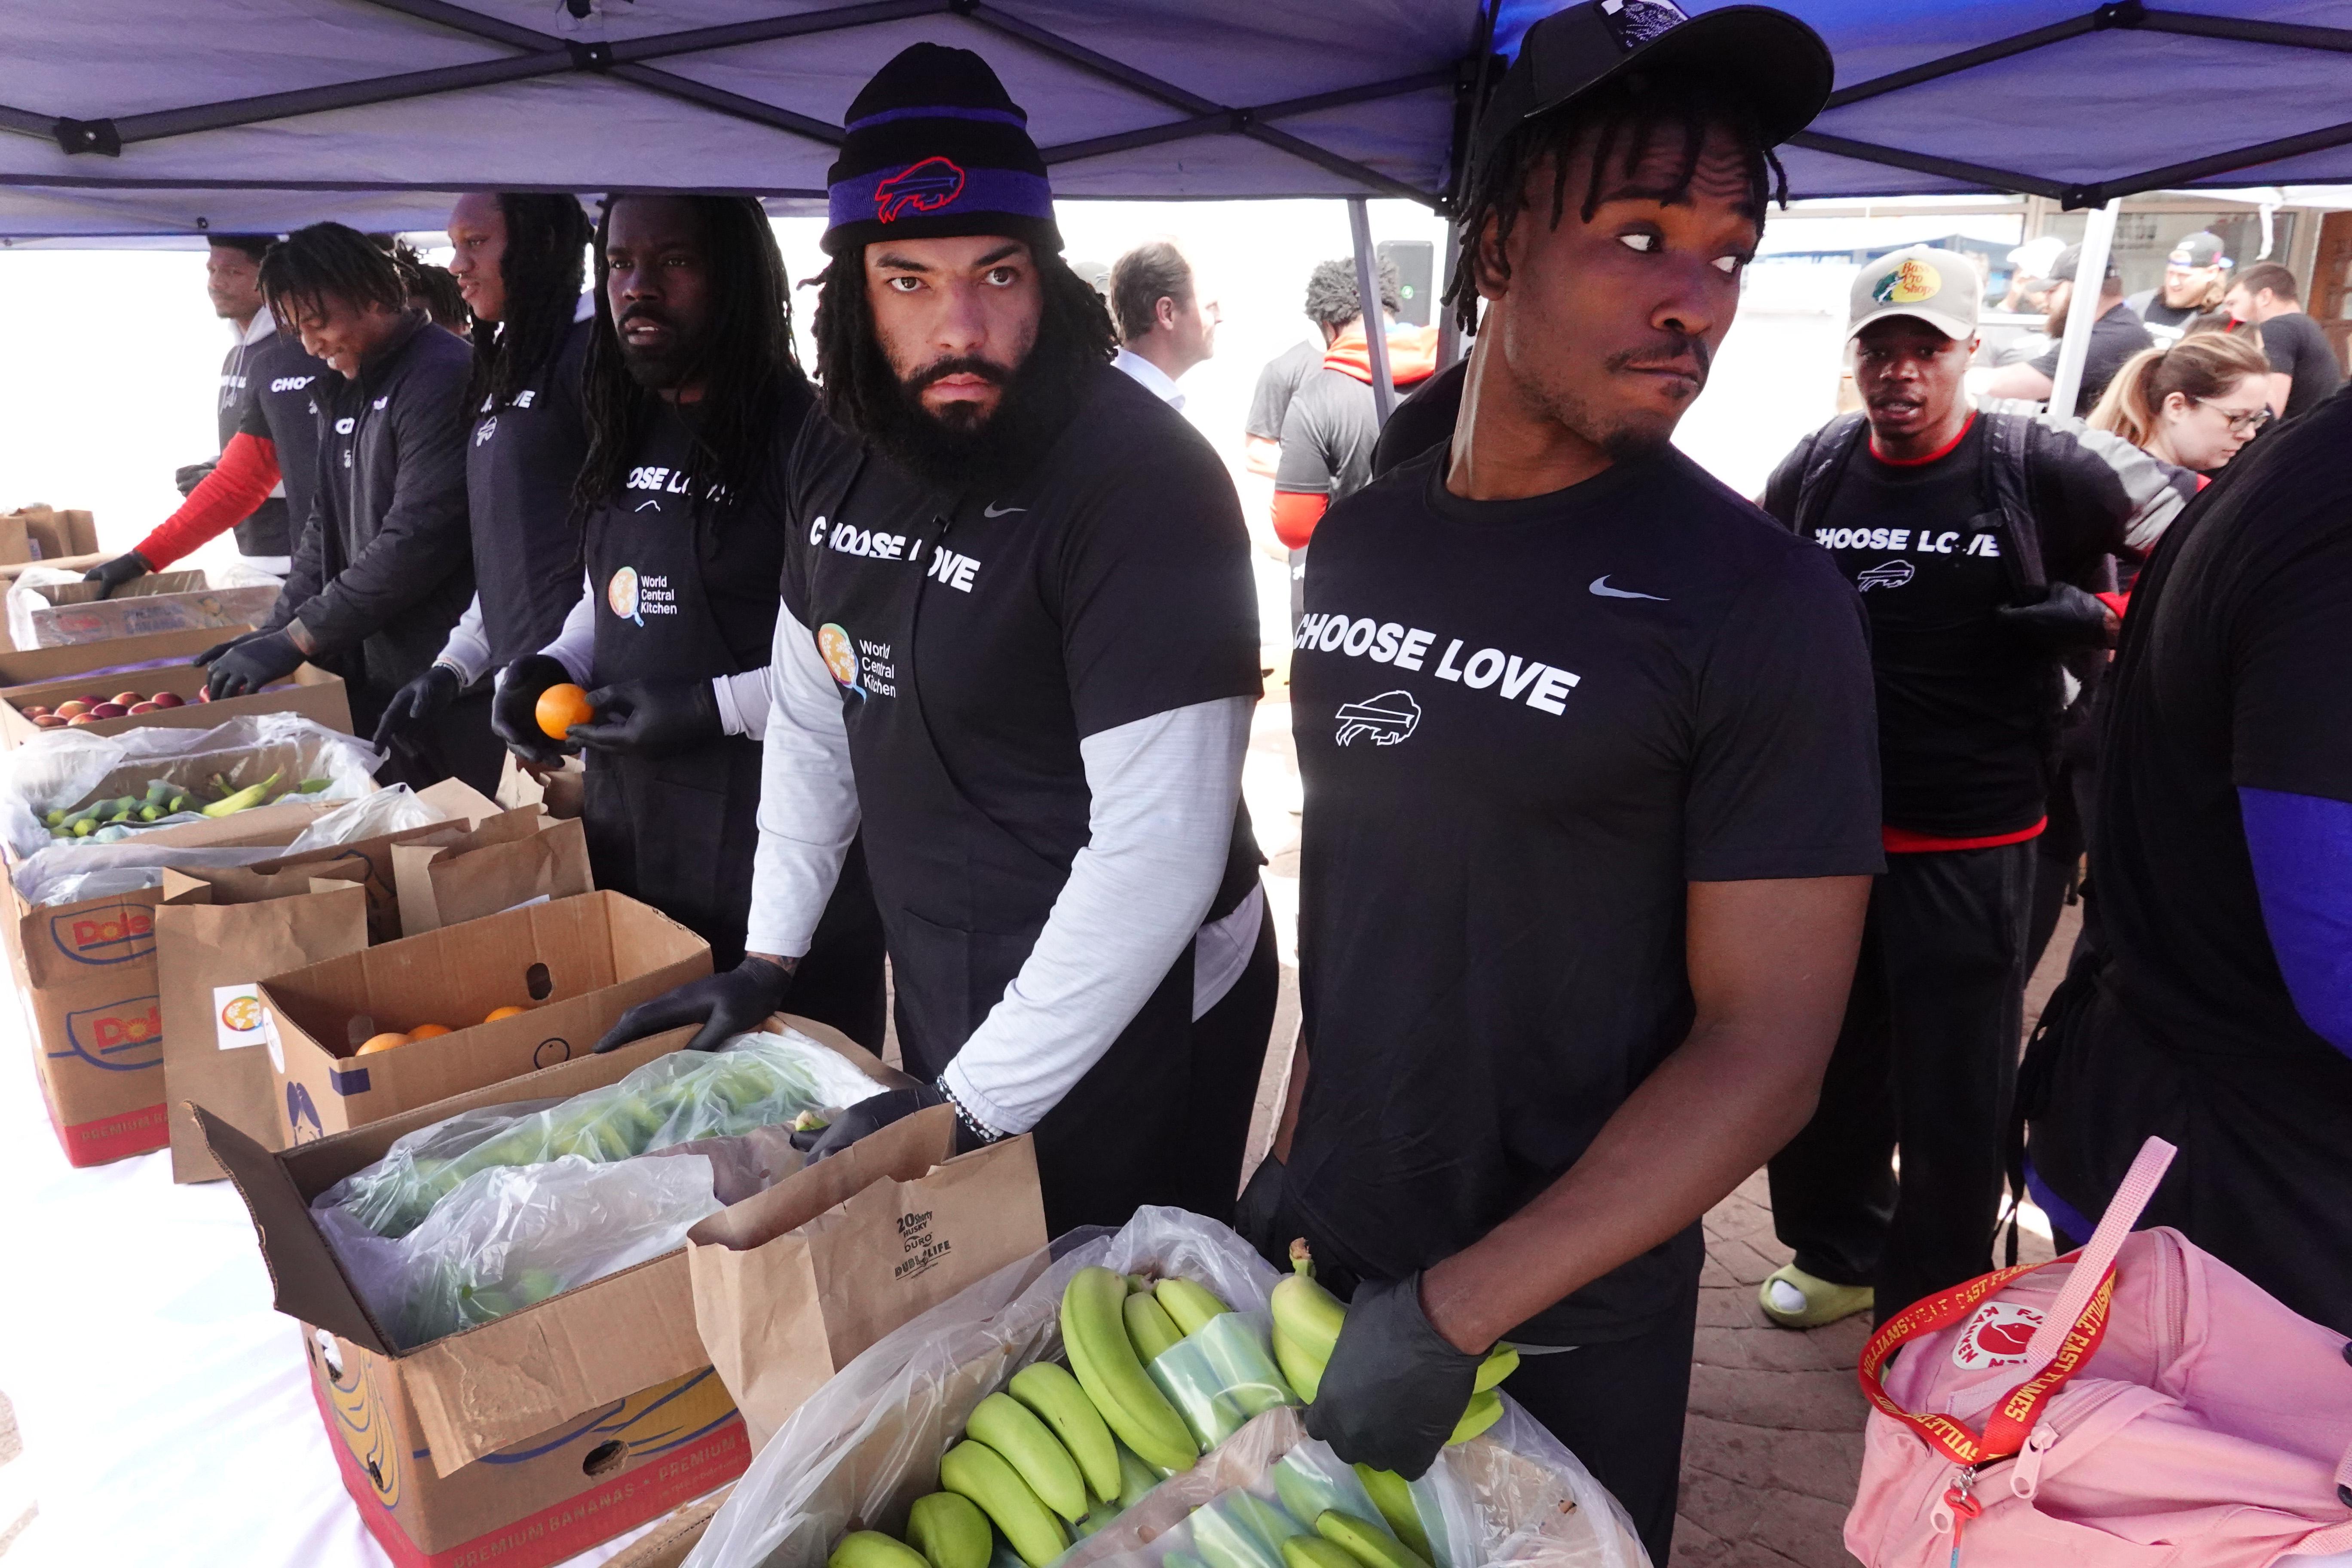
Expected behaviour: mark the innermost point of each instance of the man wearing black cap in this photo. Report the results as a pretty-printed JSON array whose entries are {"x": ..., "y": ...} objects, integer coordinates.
[
  {"x": 1591, "y": 802},
  {"x": 1019, "y": 645},
  {"x": 2117, "y": 334},
  {"x": 2196, "y": 276}
]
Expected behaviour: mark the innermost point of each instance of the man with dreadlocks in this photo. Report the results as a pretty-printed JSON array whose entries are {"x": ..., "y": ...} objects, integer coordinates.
[
  {"x": 693, "y": 396},
  {"x": 517, "y": 260},
  {"x": 381, "y": 568},
  {"x": 1590, "y": 801},
  {"x": 1019, "y": 645}
]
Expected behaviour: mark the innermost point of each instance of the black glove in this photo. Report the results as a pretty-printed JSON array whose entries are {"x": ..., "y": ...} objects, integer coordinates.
[
  {"x": 111, "y": 574},
  {"x": 1395, "y": 1387},
  {"x": 251, "y": 663},
  {"x": 2063, "y": 620},
  {"x": 219, "y": 648},
  {"x": 188, "y": 476},
  {"x": 1258, "y": 1215},
  {"x": 651, "y": 717},
  {"x": 415, "y": 702},
  {"x": 872, "y": 1114},
  {"x": 514, "y": 712},
  {"x": 735, "y": 1003}
]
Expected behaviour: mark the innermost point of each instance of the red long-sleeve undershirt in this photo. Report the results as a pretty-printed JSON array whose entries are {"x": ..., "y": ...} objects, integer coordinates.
[
  {"x": 1296, "y": 513},
  {"x": 241, "y": 481}
]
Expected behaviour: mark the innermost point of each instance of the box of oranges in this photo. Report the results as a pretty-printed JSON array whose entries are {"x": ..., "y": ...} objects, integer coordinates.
[{"x": 375, "y": 1033}]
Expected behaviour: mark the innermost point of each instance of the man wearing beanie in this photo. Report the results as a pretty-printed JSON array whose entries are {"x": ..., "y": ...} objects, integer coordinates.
[{"x": 1019, "y": 646}]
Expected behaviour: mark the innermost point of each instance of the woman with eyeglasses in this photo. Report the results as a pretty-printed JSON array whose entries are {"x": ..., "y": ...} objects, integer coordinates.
[{"x": 2192, "y": 404}]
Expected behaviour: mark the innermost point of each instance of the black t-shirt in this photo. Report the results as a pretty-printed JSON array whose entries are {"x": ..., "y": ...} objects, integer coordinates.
[
  {"x": 1327, "y": 436},
  {"x": 2236, "y": 672},
  {"x": 521, "y": 461},
  {"x": 2114, "y": 338},
  {"x": 2165, "y": 324},
  {"x": 979, "y": 639},
  {"x": 2297, "y": 347},
  {"x": 1422, "y": 420},
  {"x": 1525, "y": 727},
  {"x": 281, "y": 407},
  {"x": 1277, "y": 384}
]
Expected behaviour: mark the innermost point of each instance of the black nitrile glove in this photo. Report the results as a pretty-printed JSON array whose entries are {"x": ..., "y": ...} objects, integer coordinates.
[
  {"x": 1395, "y": 1387},
  {"x": 735, "y": 1003},
  {"x": 111, "y": 574},
  {"x": 2066, "y": 618},
  {"x": 188, "y": 476},
  {"x": 651, "y": 717},
  {"x": 415, "y": 702},
  {"x": 514, "y": 711},
  {"x": 1257, "y": 1214},
  {"x": 252, "y": 663},
  {"x": 219, "y": 648},
  {"x": 872, "y": 1114}
]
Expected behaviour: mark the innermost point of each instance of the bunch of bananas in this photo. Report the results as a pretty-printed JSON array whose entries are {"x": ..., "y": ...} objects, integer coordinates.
[
  {"x": 1063, "y": 1449},
  {"x": 1307, "y": 1320},
  {"x": 1314, "y": 1525}
]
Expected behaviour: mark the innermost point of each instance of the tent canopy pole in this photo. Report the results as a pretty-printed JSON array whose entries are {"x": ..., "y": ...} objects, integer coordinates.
[
  {"x": 2082, "y": 306},
  {"x": 1368, "y": 299}
]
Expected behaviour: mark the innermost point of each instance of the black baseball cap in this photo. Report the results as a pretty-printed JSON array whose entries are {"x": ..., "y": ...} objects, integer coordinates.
[
  {"x": 2069, "y": 262},
  {"x": 1779, "y": 63}
]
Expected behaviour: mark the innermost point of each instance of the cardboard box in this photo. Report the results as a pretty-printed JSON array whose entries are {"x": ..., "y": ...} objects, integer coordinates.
[
  {"x": 791, "y": 1284},
  {"x": 16, "y": 545},
  {"x": 117, "y": 656},
  {"x": 86, "y": 978},
  {"x": 578, "y": 964},
  {"x": 284, "y": 819},
  {"x": 160, "y": 602},
  {"x": 51, "y": 535},
  {"x": 524, "y": 1440},
  {"x": 309, "y": 691}
]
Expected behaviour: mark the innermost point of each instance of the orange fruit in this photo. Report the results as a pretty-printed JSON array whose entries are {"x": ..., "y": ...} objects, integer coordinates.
[
  {"x": 498, "y": 1012},
  {"x": 381, "y": 1043},
  {"x": 426, "y": 1032},
  {"x": 561, "y": 707}
]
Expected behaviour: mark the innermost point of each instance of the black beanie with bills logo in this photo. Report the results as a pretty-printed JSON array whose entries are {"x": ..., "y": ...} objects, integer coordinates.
[{"x": 936, "y": 148}]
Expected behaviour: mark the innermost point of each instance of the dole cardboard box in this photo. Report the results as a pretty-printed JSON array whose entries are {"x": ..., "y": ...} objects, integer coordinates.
[
  {"x": 572, "y": 966},
  {"x": 116, "y": 655},
  {"x": 526, "y": 1439},
  {"x": 86, "y": 975},
  {"x": 309, "y": 691},
  {"x": 160, "y": 602}
]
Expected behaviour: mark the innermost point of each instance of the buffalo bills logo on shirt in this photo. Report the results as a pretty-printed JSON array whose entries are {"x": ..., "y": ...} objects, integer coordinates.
[
  {"x": 1886, "y": 574},
  {"x": 1997, "y": 1336},
  {"x": 1391, "y": 717},
  {"x": 923, "y": 188},
  {"x": 1636, "y": 21}
]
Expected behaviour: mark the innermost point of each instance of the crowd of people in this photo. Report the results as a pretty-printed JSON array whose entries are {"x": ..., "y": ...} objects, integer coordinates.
[{"x": 1651, "y": 835}]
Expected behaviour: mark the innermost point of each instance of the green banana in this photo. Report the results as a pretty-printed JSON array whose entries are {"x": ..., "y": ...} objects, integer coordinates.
[
  {"x": 1047, "y": 1388},
  {"x": 1368, "y": 1543},
  {"x": 1307, "y": 1320},
  {"x": 1303, "y": 1492},
  {"x": 1094, "y": 1331},
  {"x": 1148, "y": 1328},
  {"x": 948, "y": 1530},
  {"x": 251, "y": 794},
  {"x": 982, "y": 1474},
  {"x": 1136, "y": 1478},
  {"x": 1486, "y": 1409},
  {"x": 1137, "y": 1284},
  {"x": 1241, "y": 1531},
  {"x": 1392, "y": 1495},
  {"x": 1314, "y": 1551},
  {"x": 872, "y": 1549},
  {"x": 1005, "y": 1425},
  {"x": 1500, "y": 1362},
  {"x": 1187, "y": 1304},
  {"x": 1182, "y": 1560}
]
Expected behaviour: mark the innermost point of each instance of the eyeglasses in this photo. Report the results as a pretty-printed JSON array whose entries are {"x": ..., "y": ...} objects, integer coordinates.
[{"x": 2241, "y": 424}]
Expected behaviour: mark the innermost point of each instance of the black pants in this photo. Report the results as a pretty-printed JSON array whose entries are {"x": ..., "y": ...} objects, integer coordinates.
[
  {"x": 1927, "y": 1060},
  {"x": 1229, "y": 1045},
  {"x": 1619, "y": 1408},
  {"x": 2058, "y": 853}
]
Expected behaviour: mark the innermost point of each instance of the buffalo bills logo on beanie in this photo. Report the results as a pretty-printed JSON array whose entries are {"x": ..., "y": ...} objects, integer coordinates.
[{"x": 936, "y": 148}]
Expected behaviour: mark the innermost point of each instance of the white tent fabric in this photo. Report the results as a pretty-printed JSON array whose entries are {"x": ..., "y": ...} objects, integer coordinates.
[{"x": 161, "y": 117}]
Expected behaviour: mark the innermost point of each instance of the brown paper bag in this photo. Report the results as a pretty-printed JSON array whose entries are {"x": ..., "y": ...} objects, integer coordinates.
[
  {"x": 506, "y": 863},
  {"x": 230, "y": 931},
  {"x": 790, "y": 1284}
]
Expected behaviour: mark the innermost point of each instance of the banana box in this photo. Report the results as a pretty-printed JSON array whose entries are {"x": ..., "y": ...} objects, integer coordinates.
[
  {"x": 465, "y": 1006},
  {"x": 524, "y": 1440}
]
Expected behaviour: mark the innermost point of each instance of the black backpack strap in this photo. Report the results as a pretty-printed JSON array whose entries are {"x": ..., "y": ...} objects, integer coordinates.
[
  {"x": 2005, "y": 462},
  {"x": 1831, "y": 445}
]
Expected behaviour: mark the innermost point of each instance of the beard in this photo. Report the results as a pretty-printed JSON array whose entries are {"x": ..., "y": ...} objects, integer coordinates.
[
  {"x": 658, "y": 370},
  {"x": 959, "y": 450}
]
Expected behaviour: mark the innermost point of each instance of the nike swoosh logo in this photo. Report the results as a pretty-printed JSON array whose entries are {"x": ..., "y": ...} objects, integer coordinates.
[
  {"x": 1601, "y": 586},
  {"x": 992, "y": 509}
]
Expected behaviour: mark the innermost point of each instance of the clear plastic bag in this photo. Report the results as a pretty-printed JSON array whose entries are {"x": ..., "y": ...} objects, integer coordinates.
[
  {"x": 753, "y": 1080},
  {"x": 510, "y": 1236},
  {"x": 868, "y": 1443},
  {"x": 1222, "y": 1375},
  {"x": 393, "y": 809}
]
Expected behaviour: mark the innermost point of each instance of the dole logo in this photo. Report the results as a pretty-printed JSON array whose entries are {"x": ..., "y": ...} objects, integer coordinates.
[
  {"x": 923, "y": 188},
  {"x": 123, "y": 1036},
  {"x": 114, "y": 934}
]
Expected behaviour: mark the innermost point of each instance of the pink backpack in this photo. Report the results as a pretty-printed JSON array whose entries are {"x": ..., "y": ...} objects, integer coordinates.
[{"x": 2149, "y": 1405}]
